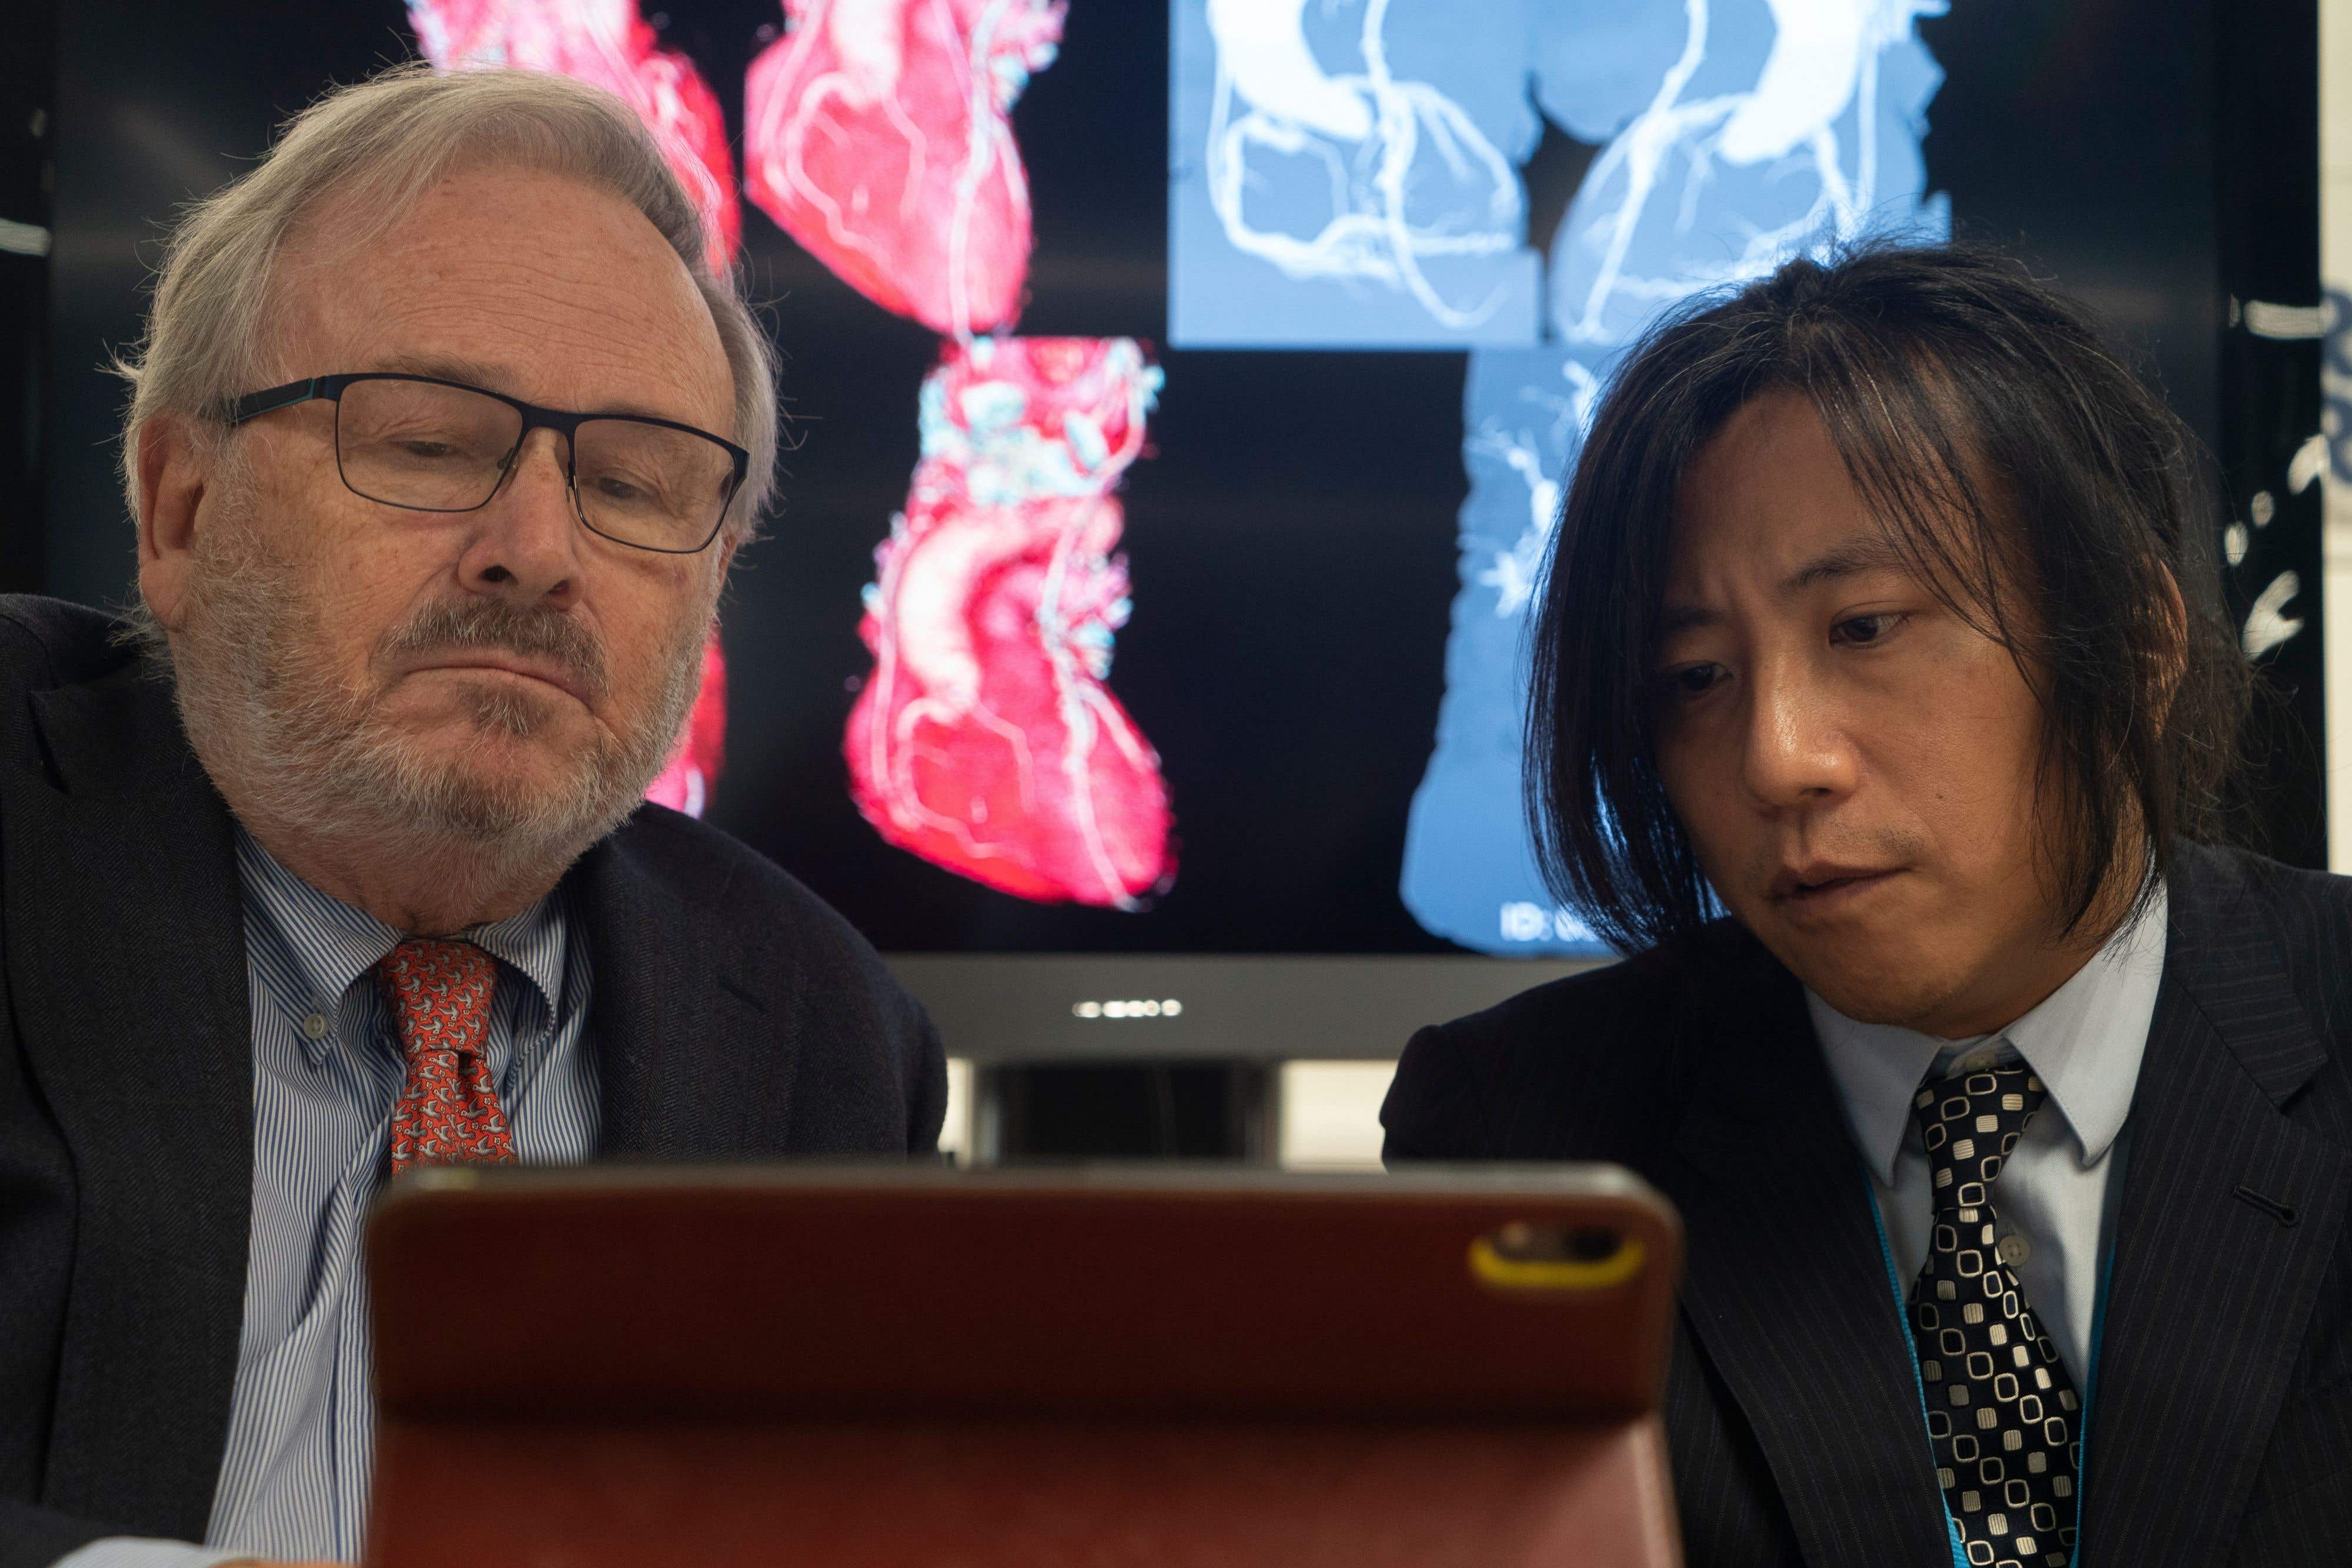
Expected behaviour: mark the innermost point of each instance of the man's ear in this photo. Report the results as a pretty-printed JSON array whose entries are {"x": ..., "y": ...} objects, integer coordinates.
[{"x": 175, "y": 467}]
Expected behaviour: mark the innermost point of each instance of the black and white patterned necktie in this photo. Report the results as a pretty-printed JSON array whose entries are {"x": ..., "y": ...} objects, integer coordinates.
[{"x": 2000, "y": 1408}]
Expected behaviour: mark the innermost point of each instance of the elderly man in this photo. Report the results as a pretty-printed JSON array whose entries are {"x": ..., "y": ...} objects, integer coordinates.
[{"x": 331, "y": 859}]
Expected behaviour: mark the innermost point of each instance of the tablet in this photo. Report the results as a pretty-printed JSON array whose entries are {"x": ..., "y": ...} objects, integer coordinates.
[{"x": 872, "y": 1365}]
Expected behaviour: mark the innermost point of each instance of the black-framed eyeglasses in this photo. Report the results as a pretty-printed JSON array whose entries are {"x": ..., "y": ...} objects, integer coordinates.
[{"x": 433, "y": 446}]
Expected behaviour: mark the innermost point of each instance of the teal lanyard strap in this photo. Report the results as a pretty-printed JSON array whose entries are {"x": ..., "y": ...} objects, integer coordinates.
[
  {"x": 2090, "y": 1386},
  {"x": 1919, "y": 1386},
  {"x": 1911, "y": 1349}
]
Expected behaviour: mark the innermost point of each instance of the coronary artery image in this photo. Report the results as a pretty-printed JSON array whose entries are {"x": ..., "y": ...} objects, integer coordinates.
[
  {"x": 1347, "y": 174},
  {"x": 878, "y": 137},
  {"x": 985, "y": 740}
]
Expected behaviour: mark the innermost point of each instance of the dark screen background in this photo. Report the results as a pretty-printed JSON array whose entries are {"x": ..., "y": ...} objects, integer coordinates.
[{"x": 1292, "y": 539}]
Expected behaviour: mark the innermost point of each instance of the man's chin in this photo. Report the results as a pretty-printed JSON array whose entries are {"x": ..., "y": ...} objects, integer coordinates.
[
  {"x": 493, "y": 763},
  {"x": 489, "y": 712},
  {"x": 526, "y": 793},
  {"x": 1870, "y": 977},
  {"x": 1908, "y": 983},
  {"x": 486, "y": 783}
]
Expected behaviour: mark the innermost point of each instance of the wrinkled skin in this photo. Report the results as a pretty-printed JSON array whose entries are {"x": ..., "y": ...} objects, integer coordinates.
[{"x": 532, "y": 286}]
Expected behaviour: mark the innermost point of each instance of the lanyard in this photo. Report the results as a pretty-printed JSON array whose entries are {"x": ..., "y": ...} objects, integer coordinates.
[{"x": 1919, "y": 1386}]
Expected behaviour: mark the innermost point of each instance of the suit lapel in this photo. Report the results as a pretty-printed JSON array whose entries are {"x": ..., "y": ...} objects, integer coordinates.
[
  {"x": 1788, "y": 1291},
  {"x": 2211, "y": 1296},
  {"x": 126, "y": 954},
  {"x": 686, "y": 1022}
]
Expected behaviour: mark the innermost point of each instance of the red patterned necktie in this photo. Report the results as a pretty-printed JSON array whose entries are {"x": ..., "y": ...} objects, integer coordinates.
[{"x": 439, "y": 992}]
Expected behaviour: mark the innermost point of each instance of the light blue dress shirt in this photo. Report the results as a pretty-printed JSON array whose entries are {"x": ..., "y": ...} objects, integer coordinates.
[
  {"x": 327, "y": 1072},
  {"x": 2057, "y": 1194}
]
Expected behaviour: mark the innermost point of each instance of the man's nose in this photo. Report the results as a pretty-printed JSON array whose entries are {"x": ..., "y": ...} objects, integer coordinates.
[
  {"x": 1797, "y": 751},
  {"x": 528, "y": 545}
]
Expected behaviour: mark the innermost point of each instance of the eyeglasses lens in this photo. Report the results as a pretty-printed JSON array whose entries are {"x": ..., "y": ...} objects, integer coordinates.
[
  {"x": 445, "y": 449},
  {"x": 411, "y": 443},
  {"x": 646, "y": 485}
]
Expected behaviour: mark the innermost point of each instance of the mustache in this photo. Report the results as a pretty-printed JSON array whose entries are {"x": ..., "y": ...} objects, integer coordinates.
[{"x": 460, "y": 625}]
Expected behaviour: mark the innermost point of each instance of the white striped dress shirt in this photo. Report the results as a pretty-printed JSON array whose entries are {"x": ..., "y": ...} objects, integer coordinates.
[{"x": 328, "y": 1068}]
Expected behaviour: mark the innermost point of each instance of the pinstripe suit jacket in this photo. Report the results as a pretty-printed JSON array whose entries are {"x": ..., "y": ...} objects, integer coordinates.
[
  {"x": 2221, "y": 1421},
  {"x": 735, "y": 1017}
]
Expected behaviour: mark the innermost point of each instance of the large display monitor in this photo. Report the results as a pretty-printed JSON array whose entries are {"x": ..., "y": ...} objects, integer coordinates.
[{"x": 1182, "y": 393}]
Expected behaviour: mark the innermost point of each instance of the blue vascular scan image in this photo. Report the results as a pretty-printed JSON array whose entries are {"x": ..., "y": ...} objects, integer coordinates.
[
  {"x": 1347, "y": 176},
  {"x": 1348, "y": 173}
]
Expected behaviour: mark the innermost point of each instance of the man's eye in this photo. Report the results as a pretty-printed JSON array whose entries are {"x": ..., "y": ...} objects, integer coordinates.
[
  {"x": 1865, "y": 629},
  {"x": 615, "y": 490},
  {"x": 1693, "y": 680}
]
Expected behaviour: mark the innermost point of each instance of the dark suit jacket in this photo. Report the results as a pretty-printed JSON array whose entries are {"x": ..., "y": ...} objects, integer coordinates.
[
  {"x": 736, "y": 1016},
  {"x": 2222, "y": 1420}
]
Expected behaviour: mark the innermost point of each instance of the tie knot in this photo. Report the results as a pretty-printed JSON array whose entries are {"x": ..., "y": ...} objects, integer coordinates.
[
  {"x": 439, "y": 993},
  {"x": 1969, "y": 1122}
]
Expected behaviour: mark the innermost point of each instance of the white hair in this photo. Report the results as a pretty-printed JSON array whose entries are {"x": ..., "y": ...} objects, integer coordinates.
[{"x": 375, "y": 148}]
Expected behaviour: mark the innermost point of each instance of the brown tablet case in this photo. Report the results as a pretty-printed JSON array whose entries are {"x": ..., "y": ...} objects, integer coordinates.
[{"x": 870, "y": 1369}]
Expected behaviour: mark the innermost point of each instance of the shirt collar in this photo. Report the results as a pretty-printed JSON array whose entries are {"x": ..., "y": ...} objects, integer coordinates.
[
  {"x": 2085, "y": 1042},
  {"x": 323, "y": 946},
  {"x": 531, "y": 942}
]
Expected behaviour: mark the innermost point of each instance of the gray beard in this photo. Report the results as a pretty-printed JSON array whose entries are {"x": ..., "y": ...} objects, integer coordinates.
[{"x": 292, "y": 748}]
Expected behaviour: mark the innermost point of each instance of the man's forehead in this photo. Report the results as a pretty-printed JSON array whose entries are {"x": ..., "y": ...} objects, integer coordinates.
[
  {"x": 499, "y": 374},
  {"x": 1785, "y": 573},
  {"x": 531, "y": 284},
  {"x": 1770, "y": 493}
]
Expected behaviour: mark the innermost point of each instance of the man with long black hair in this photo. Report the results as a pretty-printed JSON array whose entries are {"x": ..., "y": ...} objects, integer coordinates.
[{"x": 1883, "y": 708}]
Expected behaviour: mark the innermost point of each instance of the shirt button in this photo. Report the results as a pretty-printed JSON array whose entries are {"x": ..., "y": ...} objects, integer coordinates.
[
  {"x": 2015, "y": 1249},
  {"x": 314, "y": 1026}
]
